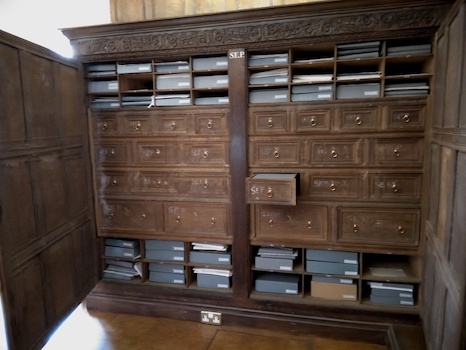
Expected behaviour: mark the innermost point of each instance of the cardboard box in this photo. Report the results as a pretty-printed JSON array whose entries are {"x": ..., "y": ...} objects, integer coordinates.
[
  {"x": 163, "y": 277},
  {"x": 164, "y": 255},
  {"x": 156, "y": 244},
  {"x": 331, "y": 268},
  {"x": 167, "y": 268},
  {"x": 281, "y": 283},
  {"x": 268, "y": 96},
  {"x": 216, "y": 258},
  {"x": 205, "y": 280},
  {"x": 274, "y": 264},
  {"x": 332, "y": 256},
  {"x": 334, "y": 291},
  {"x": 210, "y": 63}
]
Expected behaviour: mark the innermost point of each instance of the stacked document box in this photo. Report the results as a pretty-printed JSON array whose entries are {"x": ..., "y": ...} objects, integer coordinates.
[
  {"x": 392, "y": 293},
  {"x": 276, "y": 258},
  {"x": 210, "y": 63},
  {"x": 173, "y": 81},
  {"x": 122, "y": 270},
  {"x": 407, "y": 89},
  {"x": 102, "y": 86},
  {"x": 160, "y": 250},
  {"x": 122, "y": 248},
  {"x": 404, "y": 50},
  {"x": 268, "y": 60},
  {"x": 213, "y": 278},
  {"x": 172, "y": 67},
  {"x": 358, "y": 50},
  {"x": 134, "y": 68},
  {"x": 273, "y": 76},
  {"x": 317, "y": 92},
  {"x": 105, "y": 102},
  {"x": 101, "y": 69},
  {"x": 211, "y": 254},
  {"x": 135, "y": 101},
  {"x": 172, "y": 100},
  {"x": 334, "y": 288},
  {"x": 167, "y": 273},
  {"x": 281, "y": 283},
  {"x": 211, "y": 81},
  {"x": 212, "y": 100},
  {"x": 268, "y": 96},
  {"x": 332, "y": 262},
  {"x": 366, "y": 90}
]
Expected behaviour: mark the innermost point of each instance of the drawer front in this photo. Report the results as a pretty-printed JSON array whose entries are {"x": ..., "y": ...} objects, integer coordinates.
[
  {"x": 304, "y": 222},
  {"x": 354, "y": 119},
  {"x": 396, "y": 152},
  {"x": 276, "y": 153},
  {"x": 271, "y": 191},
  {"x": 105, "y": 126},
  {"x": 404, "y": 117},
  {"x": 153, "y": 182},
  {"x": 212, "y": 153},
  {"x": 172, "y": 124},
  {"x": 337, "y": 153},
  {"x": 207, "y": 186},
  {"x": 335, "y": 185},
  {"x": 156, "y": 153},
  {"x": 396, "y": 186},
  {"x": 128, "y": 215},
  {"x": 211, "y": 124},
  {"x": 196, "y": 219},
  {"x": 138, "y": 126},
  {"x": 313, "y": 120},
  {"x": 113, "y": 181},
  {"x": 111, "y": 153},
  {"x": 379, "y": 226},
  {"x": 270, "y": 121}
]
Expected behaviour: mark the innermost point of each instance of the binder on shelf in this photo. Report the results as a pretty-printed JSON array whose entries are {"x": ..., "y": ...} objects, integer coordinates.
[{"x": 281, "y": 283}]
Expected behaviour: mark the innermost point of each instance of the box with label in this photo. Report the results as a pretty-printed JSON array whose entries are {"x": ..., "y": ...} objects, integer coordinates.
[
  {"x": 332, "y": 256},
  {"x": 272, "y": 79},
  {"x": 134, "y": 68},
  {"x": 210, "y": 81},
  {"x": 126, "y": 243},
  {"x": 165, "y": 255},
  {"x": 391, "y": 300},
  {"x": 268, "y": 96},
  {"x": 268, "y": 60},
  {"x": 167, "y": 268},
  {"x": 172, "y": 67},
  {"x": 173, "y": 81},
  {"x": 331, "y": 268},
  {"x": 309, "y": 88},
  {"x": 120, "y": 252},
  {"x": 211, "y": 100},
  {"x": 210, "y": 63},
  {"x": 205, "y": 280},
  {"x": 312, "y": 96},
  {"x": 281, "y": 283},
  {"x": 156, "y": 244},
  {"x": 175, "y": 101},
  {"x": 164, "y": 277},
  {"x": 392, "y": 293},
  {"x": 334, "y": 288},
  {"x": 102, "y": 86},
  {"x": 348, "y": 91},
  {"x": 274, "y": 263},
  {"x": 217, "y": 258}
]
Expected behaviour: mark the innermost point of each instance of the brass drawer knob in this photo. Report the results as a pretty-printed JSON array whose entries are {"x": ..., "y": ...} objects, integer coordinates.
[
  {"x": 270, "y": 192},
  {"x": 358, "y": 120},
  {"x": 313, "y": 121},
  {"x": 355, "y": 228},
  {"x": 309, "y": 224},
  {"x": 137, "y": 126},
  {"x": 143, "y": 216},
  {"x": 394, "y": 188},
  {"x": 270, "y": 122},
  {"x": 271, "y": 223},
  {"x": 205, "y": 155},
  {"x": 110, "y": 216},
  {"x": 178, "y": 218},
  {"x": 406, "y": 118},
  {"x": 158, "y": 182},
  {"x": 206, "y": 183},
  {"x": 396, "y": 152},
  {"x": 333, "y": 188},
  {"x": 209, "y": 124},
  {"x": 114, "y": 182},
  {"x": 212, "y": 221},
  {"x": 173, "y": 125},
  {"x": 276, "y": 154},
  {"x": 334, "y": 153},
  {"x": 104, "y": 126},
  {"x": 401, "y": 230},
  {"x": 157, "y": 152},
  {"x": 112, "y": 152}
]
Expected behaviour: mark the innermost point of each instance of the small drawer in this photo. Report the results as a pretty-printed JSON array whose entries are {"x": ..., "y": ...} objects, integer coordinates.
[
  {"x": 156, "y": 153},
  {"x": 269, "y": 121},
  {"x": 172, "y": 124},
  {"x": 313, "y": 120},
  {"x": 199, "y": 185},
  {"x": 398, "y": 151},
  {"x": 337, "y": 152},
  {"x": 304, "y": 222},
  {"x": 196, "y": 219},
  {"x": 153, "y": 182},
  {"x": 111, "y": 153},
  {"x": 137, "y": 126},
  {"x": 275, "y": 153},
  {"x": 113, "y": 181},
  {"x": 212, "y": 153},
  {"x": 396, "y": 186},
  {"x": 410, "y": 117},
  {"x": 211, "y": 124},
  {"x": 372, "y": 226},
  {"x": 339, "y": 185},
  {"x": 354, "y": 119},
  {"x": 105, "y": 126},
  {"x": 271, "y": 188},
  {"x": 128, "y": 215}
]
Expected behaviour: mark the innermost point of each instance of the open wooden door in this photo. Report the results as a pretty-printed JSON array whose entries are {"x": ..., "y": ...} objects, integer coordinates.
[{"x": 47, "y": 234}]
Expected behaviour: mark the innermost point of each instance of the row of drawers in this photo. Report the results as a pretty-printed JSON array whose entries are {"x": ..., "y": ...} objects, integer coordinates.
[
  {"x": 329, "y": 185},
  {"x": 303, "y": 223},
  {"x": 291, "y": 152}
]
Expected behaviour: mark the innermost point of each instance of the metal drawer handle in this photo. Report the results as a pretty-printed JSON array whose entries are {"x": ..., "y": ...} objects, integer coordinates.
[
  {"x": 406, "y": 118},
  {"x": 309, "y": 224},
  {"x": 157, "y": 152},
  {"x": 396, "y": 151},
  {"x": 333, "y": 188},
  {"x": 114, "y": 182},
  {"x": 110, "y": 216},
  {"x": 205, "y": 155},
  {"x": 401, "y": 230},
  {"x": 394, "y": 188},
  {"x": 271, "y": 223},
  {"x": 358, "y": 120},
  {"x": 104, "y": 126},
  {"x": 209, "y": 124},
  {"x": 158, "y": 183},
  {"x": 270, "y": 122},
  {"x": 276, "y": 154},
  {"x": 143, "y": 216},
  {"x": 269, "y": 192},
  {"x": 355, "y": 228},
  {"x": 334, "y": 153},
  {"x": 206, "y": 183},
  {"x": 313, "y": 121},
  {"x": 137, "y": 126},
  {"x": 178, "y": 218},
  {"x": 212, "y": 221},
  {"x": 112, "y": 151},
  {"x": 173, "y": 125}
]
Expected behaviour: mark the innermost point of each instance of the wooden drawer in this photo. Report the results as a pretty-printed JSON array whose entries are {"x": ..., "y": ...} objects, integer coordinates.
[
  {"x": 398, "y": 151},
  {"x": 372, "y": 226},
  {"x": 128, "y": 215},
  {"x": 271, "y": 188},
  {"x": 113, "y": 181},
  {"x": 304, "y": 222},
  {"x": 313, "y": 120},
  {"x": 105, "y": 126},
  {"x": 406, "y": 117},
  {"x": 337, "y": 152},
  {"x": 335, "y": 185},
  {"x": 354, "y": 119},
  {"x": 211, "y": 124},
  {"x": 172, "y": 124},
  {"x": 202, "y": 185},
  {"x": 107, "y": 153},
  {"x": 196, "y": 219},
  {"x": 156, "y": 153},
  {"x": 211, "y": 153},
  {"x": 396, "y": 186},
  {"x": 153, "y": 182},
  {"x": 275, "y": 153},
  {"x": 269, "y": 121},
  {"x": 137, "y": 126}
]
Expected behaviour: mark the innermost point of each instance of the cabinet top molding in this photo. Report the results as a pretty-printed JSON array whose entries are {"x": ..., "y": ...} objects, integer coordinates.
[{"x": 275, "y": 27}]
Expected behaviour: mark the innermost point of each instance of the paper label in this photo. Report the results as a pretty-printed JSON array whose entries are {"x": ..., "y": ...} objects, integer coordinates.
[
  {"x": 113, "y": 86},
  {"x": 178, "y": 258},
  {"x": 178, "y": 281},
  {"x": 181, "y": 249},
  {"x": 350, "y": 273},
  {"x": 371, "y": 93},
  {"x": 144, "y": 68},
  {"x": 349, "y": 296},
  {"x": 286, "y": 268},
  {"x": 221, "y": 63},
  {"x": 222, "y": 81},
  {"x": 223, "y": 100},
  {"x": 281, "y": 80},
  {"x": 291, "y": 291},
  {"x": 281, "y": 59},
  {"x": 324, "y": 88},
  {"x": 279, "y": 97},
  {"x": 224, "y": 259},
  {"x": 178, "y": 271},
  {"x": 183, "y": 83},
  {"x": 348, "y": 261},
  {"x": 345, "y": 281},
  {"x": 324, "y": 95},
  {"x": 183, "y": 67},
  {"x": 222, "y": 285},
  {"x": 184, "y": 101}
]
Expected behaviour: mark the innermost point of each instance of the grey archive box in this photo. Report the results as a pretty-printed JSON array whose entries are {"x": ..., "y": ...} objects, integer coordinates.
[
  {"x": 210, "y": 63},
  {"x": 268, "y": 60},
  {"x": 332, "y": 256},
  {"x": 274, "y": 263},
  {"x": 281, "y": 283},
  {"x": 309, "y": 88},
  {"x": 172, "y": 67},
  {"x": 331, "y": 268},
  {"x": 120, "y": 252},
  {"x": 268, "y": 96},
  {"x": 211, "y": 100},
  {"x": 348, "y": 91},
  {"x": 164, "y": 255},
  {"x": 328, "y": 279},
  {"x": 134, "y": 68},
  {"x": 163, "y": 277},
  {"x": 211, "y": 81},
  {"x": 391, "y": 293},
  {"x": 167, "y": 268},
  {"x": 205, "y": 280},
  {"x": 102, "y": 86},
  {"x": 176, "y": 101},
  {"x": 173, "y": 81},
  {"x": 156, "y": 244},
  {"x": 312, "y": 96},
  {"x": 274, "y": 79},
  {"x": 217, "y": 258},
  {"x": 391, "y": 300},
  {"x": 126, "y": 243}
]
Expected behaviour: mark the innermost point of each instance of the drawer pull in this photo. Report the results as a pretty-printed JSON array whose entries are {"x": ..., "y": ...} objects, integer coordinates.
[
  {"x": 112, "y": 152},
  {"x": 158, "y": 183},
  {"x": 270, "y": 122},
  {"x": 271, "y": 223},
  {"x": 309, "y": 224},
  {"x": 157, "y": 152},
  {"x": 137, "y": 126},
  {"x": 355, "y": 228},
  {"x": 143, "y": 216},
  {"x": 206, "y": 183},
  {"x": 104, "y": 126},
  {"x": 212, "y": 221},
  {"x": 173, "y": 125},
  {"x": 205, "y": 155},
  {"x": 178, "y": 218},
  {"x": 276, "y": 154},
  {"x": 396, "y": 152},
  {"x": 110, "y": 216},
  {"x": 406, "y": 118},
  {"x": 358, "y": 120},
  {"x": 269, "y": 192},
  {"x": 313, "y": 121},
  {"x": 401, "y": 230},
  {"x": 334, "y": 153},
  {"x": 114, "y": 182},
  {"x": 394, "y": 188},
  {"x": 209, "y": 124},
  {"x": 333, "y": 188}
]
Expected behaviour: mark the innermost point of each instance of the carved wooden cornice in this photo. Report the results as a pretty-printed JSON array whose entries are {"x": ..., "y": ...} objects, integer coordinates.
[{"x": 302, "y": 27}]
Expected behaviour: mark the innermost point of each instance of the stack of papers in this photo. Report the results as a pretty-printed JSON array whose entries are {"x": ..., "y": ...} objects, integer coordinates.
[
  {"x": 277, "y": 252},
  {"x": 215, "y": 272},
  {"x": 135, "y": 100},
  {"x": 358, "y": 76},
  {"x": 407, "y": 89},
  {"x": 312, "y": 78},
  {"x": 210, "y": 247},
  {"x": 122, "y": 270},
  {"x": 358, "y": 50},
  {"x": 409, "y": 50}
]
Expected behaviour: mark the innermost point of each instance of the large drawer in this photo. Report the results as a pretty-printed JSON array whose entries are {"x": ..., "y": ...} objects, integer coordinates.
[
  {"x": 406, "y": 117},
  {"x": 304, "y": 222},
  {"x": 271, "y": 188},
  {"x": 396, "y": 186},
  {"x": 275, "y": 153},
  {"x": 312, "y": 120},
  {"x": 105, "y": 126},
  {"x": 128, "y": 215},
  {"x": 407, "y": 151},
  {"x": 358, "y": 118},
  {"x": 153, "y": 182},
  {"x": 348, "y": 152},
  {"x": 270, "y": 121},
  {"x": 112, "y": 181},
  {"x": 373, "y": 226},
  {"x": 172, "y": 124},
  {"x": 333, "y": 185},
  {"x": 205, "y": 185},
  {"x": 108, "y": 153},
  {"x": 156, "y": 153},
  {"x": 205, "y": 153}
]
